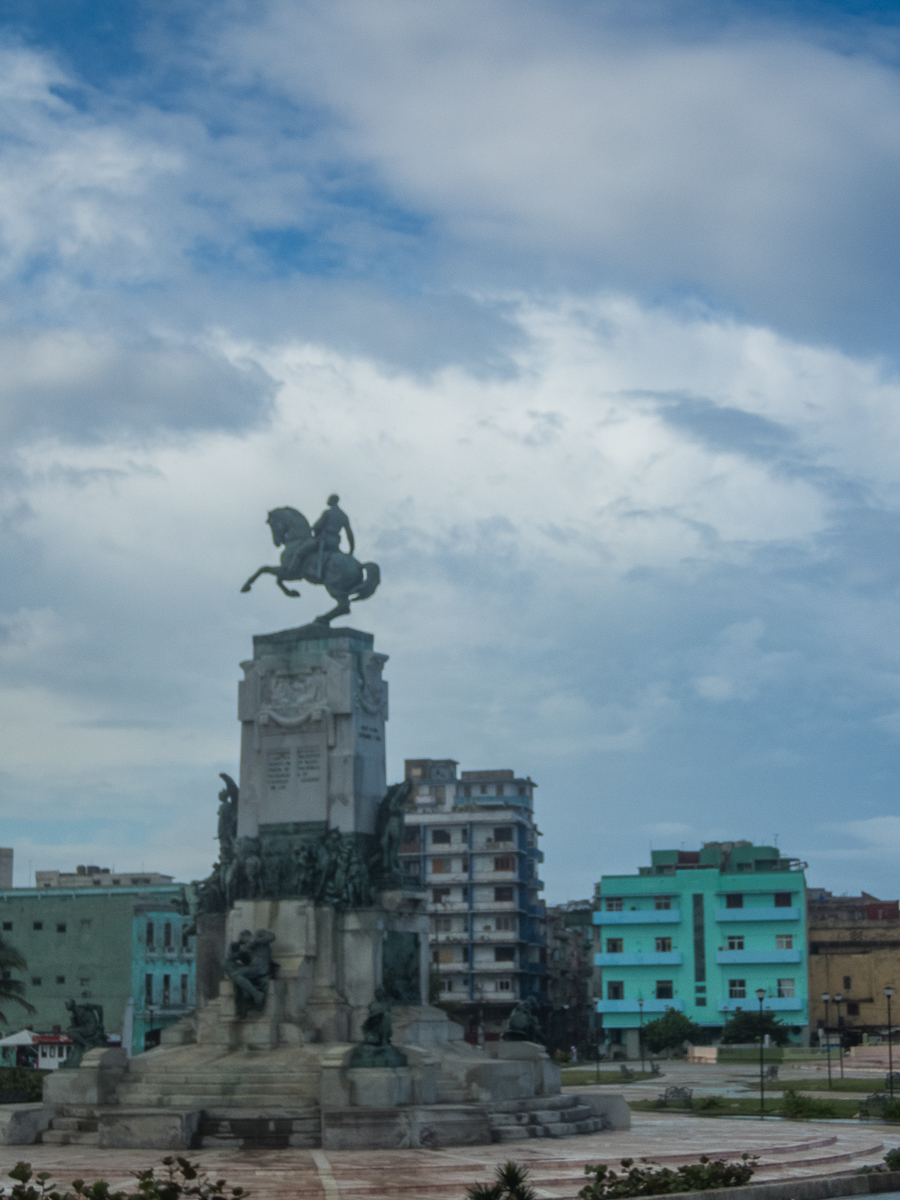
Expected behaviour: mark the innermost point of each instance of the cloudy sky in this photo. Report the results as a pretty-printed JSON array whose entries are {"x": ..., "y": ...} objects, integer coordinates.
[{"x": 588, "y": 310}]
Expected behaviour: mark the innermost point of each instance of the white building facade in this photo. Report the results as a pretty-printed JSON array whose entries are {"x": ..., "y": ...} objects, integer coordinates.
[{"x": 473, "y": 843}]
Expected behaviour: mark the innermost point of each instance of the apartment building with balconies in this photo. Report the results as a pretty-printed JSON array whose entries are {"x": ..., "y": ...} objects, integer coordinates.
[
  {"x": 472, "y": 841},
  {"x": 701, "y": 931}
]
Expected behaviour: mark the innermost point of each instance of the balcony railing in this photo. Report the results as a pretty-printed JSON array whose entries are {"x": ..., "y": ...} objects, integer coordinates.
[
  {"x": 757, "y": 956},
  {"x": 773, "y": 1003},
  {"x": 641, "y": 916},
  {"x": 632, "y": 1006},
  {"x": 757, "y": 914},
  {"x": 664, "y": 958}
]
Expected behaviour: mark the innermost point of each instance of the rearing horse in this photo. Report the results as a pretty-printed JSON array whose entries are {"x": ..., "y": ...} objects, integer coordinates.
[{"x": 344, "y": 578}]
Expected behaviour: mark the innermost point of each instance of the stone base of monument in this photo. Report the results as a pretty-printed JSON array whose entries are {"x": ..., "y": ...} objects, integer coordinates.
[{"x": 95, "y": 1081}]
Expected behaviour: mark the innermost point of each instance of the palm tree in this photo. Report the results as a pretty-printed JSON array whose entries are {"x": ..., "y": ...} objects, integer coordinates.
[{"x": 12, "y": 989}]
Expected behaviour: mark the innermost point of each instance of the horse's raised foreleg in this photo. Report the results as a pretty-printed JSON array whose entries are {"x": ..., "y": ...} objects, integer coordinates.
[{"x": 276, "y": 571}]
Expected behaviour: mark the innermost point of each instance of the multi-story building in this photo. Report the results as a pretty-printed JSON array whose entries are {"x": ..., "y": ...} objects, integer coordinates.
[
  {"x": 701, "y": 931},
  {"x": 91, "y": 877},
  {"x": 572, "y": 1019},
  {"x": 472, "y": 842},
  {"x": 130, "y": 949},
  {"x": 854, "y": 954}
]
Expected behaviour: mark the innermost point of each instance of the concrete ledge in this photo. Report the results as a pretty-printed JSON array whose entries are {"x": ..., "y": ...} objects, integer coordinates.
[
  {"x": 613, "y": 1109},
  {"x": 823, "y": 1187},
  {"x": 150, "y": 1129},
  {"x": 21, "y": 1123},
  {"x": 428, "y": 1127}
]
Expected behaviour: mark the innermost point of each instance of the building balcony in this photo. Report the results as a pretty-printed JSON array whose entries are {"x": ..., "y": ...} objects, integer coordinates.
[
  {"x": 730, "y": 915},
  {"x": 757, "y": 956},
  {"x": 632, "y": 1006},
  {"x": 646, "y": 916},
  {"x": 670, "y": 958},
  {"x": 771, "y": 1004}
]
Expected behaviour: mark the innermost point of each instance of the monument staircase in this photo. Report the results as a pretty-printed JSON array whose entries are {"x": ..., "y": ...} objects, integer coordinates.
[
  {"x": 543, "y": 1117},
  {"x": 78, "y": 1128}
]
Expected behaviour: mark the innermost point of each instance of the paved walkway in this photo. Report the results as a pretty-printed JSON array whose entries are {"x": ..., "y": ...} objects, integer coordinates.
[{"x": 787, "y": 1150}]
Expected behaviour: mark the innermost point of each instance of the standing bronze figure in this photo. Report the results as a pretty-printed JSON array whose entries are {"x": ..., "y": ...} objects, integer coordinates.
[{"x": 313, "y": 553}]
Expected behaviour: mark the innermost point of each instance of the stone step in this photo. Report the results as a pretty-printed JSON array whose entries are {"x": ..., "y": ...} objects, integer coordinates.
[
  {"x": 87, "y": 1124},
  {"x": 535, "y": 1104},
  {"x": 70, "y": 1137}
]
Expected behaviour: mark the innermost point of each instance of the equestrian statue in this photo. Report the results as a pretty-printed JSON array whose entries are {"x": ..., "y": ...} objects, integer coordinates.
[{"x": 313, "y": 553}]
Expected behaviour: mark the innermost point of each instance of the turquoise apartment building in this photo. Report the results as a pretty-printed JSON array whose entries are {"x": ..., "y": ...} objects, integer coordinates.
[{"x": 701, "y": 931}]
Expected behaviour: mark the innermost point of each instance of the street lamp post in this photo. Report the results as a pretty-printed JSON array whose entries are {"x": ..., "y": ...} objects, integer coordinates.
[
  {"x": 889, "y": 992},
  {"x": 641, "y": 1033},
  {"x": 761, "y": 995},
  {"x": 825, "y": 998},
  {"x": 837, "y": 1000}
]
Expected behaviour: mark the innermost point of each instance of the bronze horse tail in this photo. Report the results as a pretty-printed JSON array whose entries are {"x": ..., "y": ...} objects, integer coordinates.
[{"x": 370, "y": 583}]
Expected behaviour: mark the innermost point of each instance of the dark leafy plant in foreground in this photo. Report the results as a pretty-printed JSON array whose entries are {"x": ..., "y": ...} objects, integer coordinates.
[
  {"x": 179, "y": 1178},
  {"x": 510, "y": 1183},
  {"x": 659, "y": 1181},
  {"x": 891, "y": 1163}
]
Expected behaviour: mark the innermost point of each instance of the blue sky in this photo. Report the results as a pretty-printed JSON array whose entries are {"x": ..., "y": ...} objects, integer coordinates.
[{"x": 589, "y": 312}]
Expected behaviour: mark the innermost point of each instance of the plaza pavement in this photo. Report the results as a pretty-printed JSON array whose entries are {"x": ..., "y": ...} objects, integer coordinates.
[{"x": 787, "y": 1150}]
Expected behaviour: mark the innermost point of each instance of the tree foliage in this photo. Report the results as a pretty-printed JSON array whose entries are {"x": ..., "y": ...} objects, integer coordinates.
[
  {"x": 751, "y": 1026},
  {"x": 12, "y": 989},
  {"x": 670, "y": 1030}
]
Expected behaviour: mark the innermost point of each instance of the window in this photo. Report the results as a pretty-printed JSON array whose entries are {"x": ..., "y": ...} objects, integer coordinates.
[
  {"x": 700, "y": 1001},
  {"x": 507, "y": 923},
  {"x": 38, "y": 925},
  {"x": 782, "y": 899},
  {"x": 615, "y": 990},
  {"x": 439, "y": 895},
  {"x": 442, "y": 955},
  {"x": 60, "y": 979},
  {"x": 167, "y": 990},
  {"x": 440, "y": 837},
  {"x": 736, "y": 942},
  {"x": 503, "y": 833},
  {"x": 662, "y": 902},
  {"x": 663, "y": 945},
  {"x": 148, "y": 989},
  {"x": 61, "y": 927},
  {"x": 184, "y": 989},
  {"x": 435, "y": 957},
  {"x": 785, "y": 989},
  {"x": 443, "y": 924},
  {"x": 700, "y": 989},
  {"x": 499, "y": 789},
  {"x": 7, "y": 926},
  {"x": 464, "y": 863},
  {"x": 440, "y": 866},
  {"x": 784, "y": 941},
  {"x": 523, "y": 791},
  {"x": 116, "y": 882},
  {"x": 614, "y": 904},
  {"x": 848, "y": 983},
  {"x": 35, "y": 981},
  {"x": 504, "y": 985},
  {"x": 737, "y": 989},
  {"x": 150, "y": 935},
  {"x": 665, "y": 989},
  {"x": 852, "y": 1008},
  {"x": 464, "y": 894},
  {"x": 467, "y": 791},
  {"x": 734, "y": 900},
  {"x": 446, "y": 985},
  {"x": 504, "y": 954},
  {"x": 615, "y": 945},
  {"x": 504, "y": 893},
  {"x": 185, "y": 937},
  {"x": 167, "y": 935},
  {"x": 504, "y": 862},
  {"x": 483, "y": 789}
]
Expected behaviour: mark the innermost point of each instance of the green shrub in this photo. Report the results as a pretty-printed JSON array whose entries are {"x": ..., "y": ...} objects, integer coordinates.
[
  {"x": 180, "y": 1178},
  {"x": 21, "y": 1084},
  {"x": 802, "y": 1108},
  {"x": 706, "y": 1103},
  {"x": 892, "y": 1159},
  {"x": 670, "y": 1031},
  {"x": 510, "y": 1183},
  {"x": 659, "y": 1181},
  {"x": 753, "y": 1027}
]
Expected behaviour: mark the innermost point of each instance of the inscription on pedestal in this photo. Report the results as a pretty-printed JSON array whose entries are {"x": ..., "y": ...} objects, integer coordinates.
[
  {"x": 309, "y": 764},
  {"x": 278, "y": 770}
]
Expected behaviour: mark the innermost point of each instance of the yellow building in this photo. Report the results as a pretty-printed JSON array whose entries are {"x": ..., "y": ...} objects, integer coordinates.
[{"x": 854, "y": 953}]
